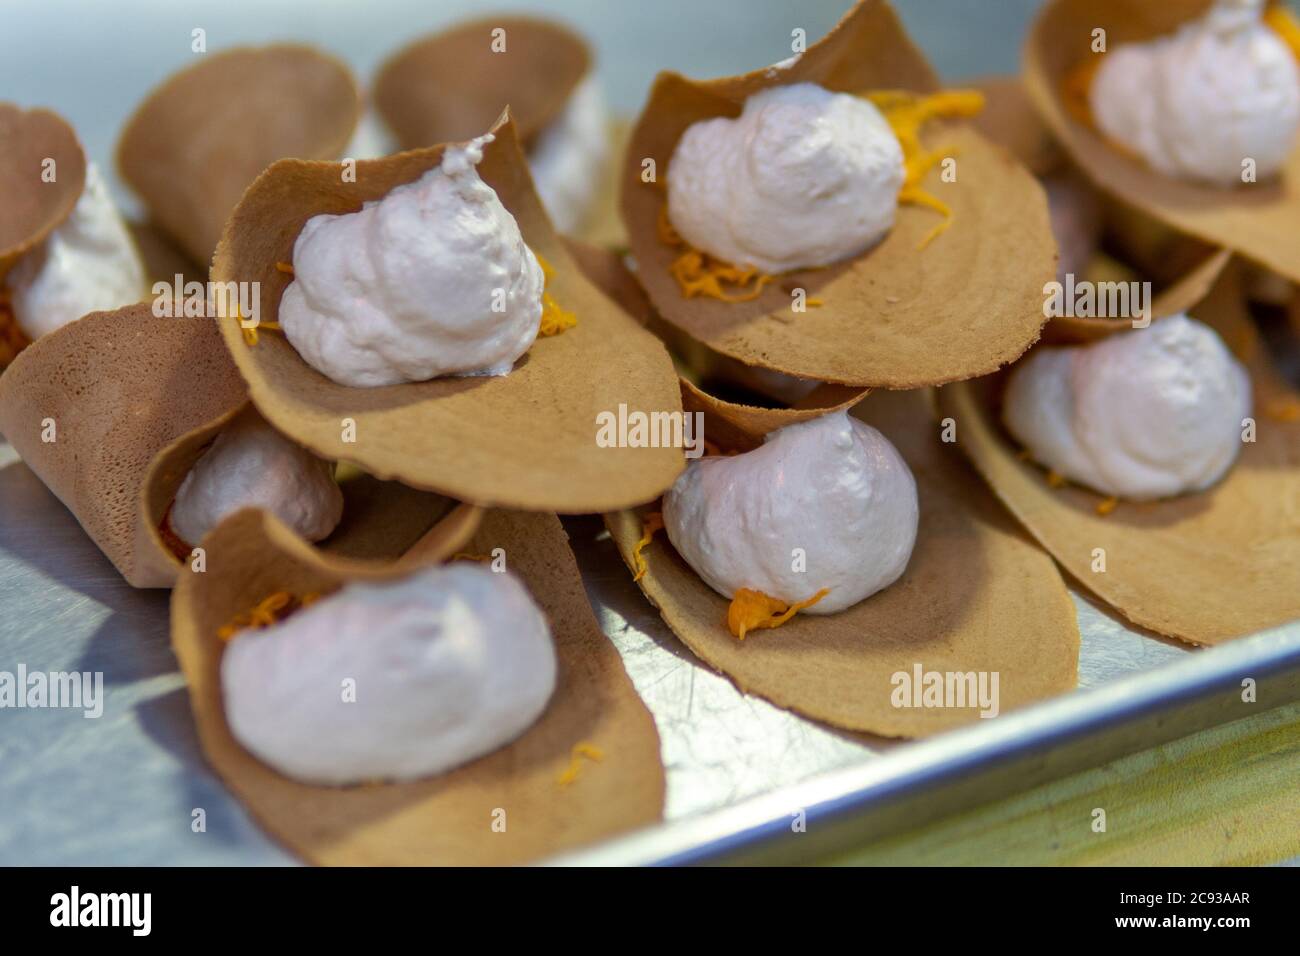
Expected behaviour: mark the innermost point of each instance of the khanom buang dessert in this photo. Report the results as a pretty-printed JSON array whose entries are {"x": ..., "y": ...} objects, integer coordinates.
[
  {"x": 450, "y": 86},
  {"x": 250, "y": 465},
  {"x": 1222, "y": 90},
  {"x": 833, "y": 484},
  {"x": 844, "y": 523},
  {"x": 1171, "y": 466},
  {"x": 433, "y": 279},
  {"x": 450, "y": 663},
  {"x": 64, "y": 249},
  {"x": 1186, "y": 110},
  {"x": 1148, "y": 414},
  {"x": 140, "y": 426},
  {"x": 469, "y": 713},
  {"x": 429, "y": 303},
  {"x": 822, "y": 217},
  {"x": 203, "y": 135}
]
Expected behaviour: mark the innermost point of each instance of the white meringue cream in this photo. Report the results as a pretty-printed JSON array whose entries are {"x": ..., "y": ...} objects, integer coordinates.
[
  {"x": 434, "y": 279},
  {"x": 88, "y": 264},
  {"x": 803, "y": 177},
  {"x": 1197, "y": 103},
  {"x": 251, "y": 465},
  {"x": 447, "y": 665},
  {"x": 834, "y": 487},
  {"x": 1142, "y": 414},
  {"x": 567, "y": 159}
]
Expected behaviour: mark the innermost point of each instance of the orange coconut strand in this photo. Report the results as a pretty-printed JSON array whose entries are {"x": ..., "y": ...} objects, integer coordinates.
[
  {"x": 1284, "y": 23},
  {"x": 554, "y": 319},
  {"x": 652, "y": 522},
  {"x": 698, "y": 273},
  {"x": 750, "y": 610},
  {"x": 579, "y": 751},
  {"x": 272, "y": 609},
  {"x": 906, "y": 113}
]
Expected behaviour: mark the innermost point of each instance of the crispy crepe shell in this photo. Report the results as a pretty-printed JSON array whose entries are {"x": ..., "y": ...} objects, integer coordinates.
[
  {"x": 135, "y": 400},
  {"x": 895, "y": 316},
  {"x": 1203, "y": 568},
  {"x": 447, "y": 819},
  {"x": 524, "y": 440},
  {"x": 1257, "y": 220},
  {"x": 119, "y": 386},
  {"x": 30, "y": 209},
  {"x": 452, "y": 85},
  {"x": 194, "y": 145},
  {"x": 977, "y": 595}
]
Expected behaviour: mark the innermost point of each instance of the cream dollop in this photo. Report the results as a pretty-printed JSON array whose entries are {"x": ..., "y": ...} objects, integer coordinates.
[
  {"x": 88, "y": 264},
  {"x": 569, "y": 155},
  {"x": 251, "y": 465},
  {"x": 434, "y": 279},
  {"x": 1142, "y": 414},
  {"x": 443, "y": 666},
  {"x": 833, "y": 486},
  {"x": 803, "y": 177},
  {"x": 1196, "y": 104}
]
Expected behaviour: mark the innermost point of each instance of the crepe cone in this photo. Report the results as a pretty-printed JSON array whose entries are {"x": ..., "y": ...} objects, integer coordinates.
[
  {"x": 1256, "y": 220},
  {"x": 896, "y": 316},
  {"x": 447, "y": 819},
  {"x": 194, "y": 145},
  {"x": 977, "y": 595},
  {"x": 452, "y": 85},
  {"x": 523, "y": 440},
  {"x": 1203, "y": 567},
  {"x": 31, "y": 207}
]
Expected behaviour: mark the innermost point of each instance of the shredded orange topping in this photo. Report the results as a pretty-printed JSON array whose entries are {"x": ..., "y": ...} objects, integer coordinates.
[
  {"x": 1055, "y": 479},
  {"x": 580, "y": 750},
  {"x": 1107, "y": 505},
  {"x": 652, "y": 522},
  {"x": 698, "y": 273},
  {"x": 906, "y": 113},
  {"x": 554, "y": 319},
  {"x": 12, "y": 338},
  {"x": 272, "y": 609},
  {"x": 285, "y": 267},
  {"x": 752, "y": 610},
  {"x": 1284, "y": 23},
  {"x": 1285, "y": 409}
]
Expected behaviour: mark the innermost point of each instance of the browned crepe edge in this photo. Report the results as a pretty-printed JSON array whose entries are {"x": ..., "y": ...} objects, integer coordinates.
[
  {"x": 447, "y": 819},
  {"x": 1237, "y": 577},
  {"x": 896, "y": 316},
  {"x": 1178, "y": 297},
  {"x": 119, "y": 386},
  {"x": 175, "y": 125},
  {"x": 1256, "y": 220},
  {"x": 381, "y": 521},
  {"x": 951, "y": 610},
  {"x": 523, "y": 440},
  {"x": 733, "y": 426},
  {"x": 30, "y": 209},
  {"x": 450, "y": 85}
]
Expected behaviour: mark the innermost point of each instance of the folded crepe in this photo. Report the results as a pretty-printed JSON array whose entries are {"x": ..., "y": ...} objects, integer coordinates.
[
  {"x": 523, "y": 440},
  {"x": 445, "y": 820},
  {"x": 896, "y": 316},
  {"x": 1204, "y": 567},
  {"x": 112, "y": 411}
]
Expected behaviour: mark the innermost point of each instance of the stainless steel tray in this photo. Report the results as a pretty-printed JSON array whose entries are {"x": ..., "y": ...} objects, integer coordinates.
[{"x": 122, "y": 789}]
